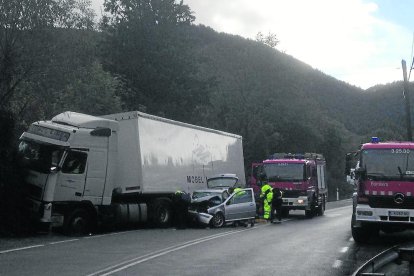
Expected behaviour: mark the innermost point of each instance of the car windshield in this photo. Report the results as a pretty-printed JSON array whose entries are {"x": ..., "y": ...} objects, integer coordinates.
[
  {"x": 390, "y": 164},
  {"x": 284, "y": 171},
  {"x": 221, "y": 182},
  {"x": 39, "y": 157}
]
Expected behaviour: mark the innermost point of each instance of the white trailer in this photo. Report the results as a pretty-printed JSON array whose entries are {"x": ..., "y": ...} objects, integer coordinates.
[{"x": 119, "y": 168}]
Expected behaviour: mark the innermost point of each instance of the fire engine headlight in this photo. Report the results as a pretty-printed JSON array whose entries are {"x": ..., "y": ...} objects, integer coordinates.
[
  {"x": 300, "y": 201},
  {"x": 364, "y": 213}
]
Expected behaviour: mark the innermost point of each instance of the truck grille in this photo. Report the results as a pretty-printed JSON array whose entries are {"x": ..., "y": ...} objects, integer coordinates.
[
  {"x": 292, "y": 193},
  {"x": 34, "y": 191},
  {"x": 388, "y": 202}
]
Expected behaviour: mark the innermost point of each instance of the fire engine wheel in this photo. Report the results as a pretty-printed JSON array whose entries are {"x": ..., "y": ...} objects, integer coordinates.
[
  {"x": 309, "y": 213},
  {"x": 362, "y": 234},
  {"x": 321, "y": 208},
  {"x": 79, "y": 223},
  {"x": 217, "y": 221},
  {"x": 162, "y": 213}
]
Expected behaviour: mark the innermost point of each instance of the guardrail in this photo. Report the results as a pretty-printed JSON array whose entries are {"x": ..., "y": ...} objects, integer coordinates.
[{"x": 395, "y": 254}]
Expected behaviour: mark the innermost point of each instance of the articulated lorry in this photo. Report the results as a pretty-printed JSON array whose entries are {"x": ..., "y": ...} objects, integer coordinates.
[
  {"x": 300, "y": 177},
  {"x": 384, "y": 183},
  {"x": 121, "y": 168}
]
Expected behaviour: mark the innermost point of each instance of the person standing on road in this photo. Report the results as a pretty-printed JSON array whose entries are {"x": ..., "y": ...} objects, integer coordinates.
[
  {"x": 181, "y": 201},
  {"x": 266, "y": 195},
  {"x": 277, "y": 204}
]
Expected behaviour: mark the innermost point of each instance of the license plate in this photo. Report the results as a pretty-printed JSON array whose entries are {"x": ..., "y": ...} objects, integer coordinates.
[{"x": 399, "y": 213}]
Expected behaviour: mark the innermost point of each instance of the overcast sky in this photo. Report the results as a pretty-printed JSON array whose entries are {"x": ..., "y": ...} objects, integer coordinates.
[{"x": 361, "y": 42}]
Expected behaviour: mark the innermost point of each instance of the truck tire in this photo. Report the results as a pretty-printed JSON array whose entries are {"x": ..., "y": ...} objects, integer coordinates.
[
  {"x": 79, "y": 222},
  {"x": 162, "y": 213},
  {"x": 321, "y": 208},
  {"x": 362, "y": 234},
  {"x": 309, "y": 213},
  {"x": 217, "y": 221},
  {"x": 312, "y": 211}
]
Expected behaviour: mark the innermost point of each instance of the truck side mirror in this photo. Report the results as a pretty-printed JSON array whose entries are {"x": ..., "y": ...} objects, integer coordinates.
[{"x": 360, "y": 172}]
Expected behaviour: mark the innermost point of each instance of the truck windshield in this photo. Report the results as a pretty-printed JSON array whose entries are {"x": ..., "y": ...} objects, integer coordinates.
[
  {"x": 277, "y": 172},
  {"x": 39, "y": 157},
  {"x": 390, "y": 164}
]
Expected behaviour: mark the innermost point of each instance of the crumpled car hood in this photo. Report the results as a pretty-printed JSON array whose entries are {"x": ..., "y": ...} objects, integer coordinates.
[{"x": 202, "y": 204}]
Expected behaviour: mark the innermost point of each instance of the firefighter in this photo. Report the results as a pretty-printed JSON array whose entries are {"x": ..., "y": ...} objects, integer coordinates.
[
  {"x": 277, "y": 204},
  {"x": 266, "y": 196},
  {"x": 181, "y": 201}
]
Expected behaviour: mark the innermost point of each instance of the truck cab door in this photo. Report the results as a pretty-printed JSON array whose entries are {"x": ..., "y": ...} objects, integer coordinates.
[
  {"x": 71, "y": 177},
  {"x": 96, "y": 177}
]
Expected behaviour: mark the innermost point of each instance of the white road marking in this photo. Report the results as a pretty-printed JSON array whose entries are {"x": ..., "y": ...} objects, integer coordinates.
[
  {"x": 339, "y": 208},
  {"x": 334, "y": 215},
  {"x": 21, "y": 248},
  {"x": 344, "y": 249},
  {"x": 337, "y": 264},
  {"x": 57, "y": 242},
  {"x": 126, "y": 264}
]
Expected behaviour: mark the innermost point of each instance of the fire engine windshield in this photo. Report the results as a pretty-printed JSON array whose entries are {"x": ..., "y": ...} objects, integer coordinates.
[
  {"x": 284, "y": 172},
  {"x": 39, "y": 157},
  {"x": 388, "y": 164}
]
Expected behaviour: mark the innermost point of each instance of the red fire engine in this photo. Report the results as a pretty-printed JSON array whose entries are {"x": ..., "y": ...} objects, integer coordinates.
[{"x": 300, "y": 177}]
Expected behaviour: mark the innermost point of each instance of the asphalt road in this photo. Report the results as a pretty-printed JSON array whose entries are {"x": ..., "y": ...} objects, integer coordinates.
[{"x": 298, "y": 246}]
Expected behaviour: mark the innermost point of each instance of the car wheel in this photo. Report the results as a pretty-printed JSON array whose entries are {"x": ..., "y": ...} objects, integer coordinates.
[{"x": 217, "y": 221}]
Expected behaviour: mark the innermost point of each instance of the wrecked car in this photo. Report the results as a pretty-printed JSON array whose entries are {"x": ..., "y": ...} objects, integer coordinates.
[{"x": 216, "y": 208}]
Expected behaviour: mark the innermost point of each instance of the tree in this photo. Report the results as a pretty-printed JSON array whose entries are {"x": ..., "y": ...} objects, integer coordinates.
[
  {"x": 91, "y": 91},
  {"x": 26, "y": 28},
  {"x": 270, "y": 39},
  {"x": 148, "y": 43}
]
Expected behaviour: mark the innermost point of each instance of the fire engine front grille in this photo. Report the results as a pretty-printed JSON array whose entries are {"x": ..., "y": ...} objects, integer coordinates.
[
  {"x": 291, "y": 193},
  {"x": 388, "y": 202}
]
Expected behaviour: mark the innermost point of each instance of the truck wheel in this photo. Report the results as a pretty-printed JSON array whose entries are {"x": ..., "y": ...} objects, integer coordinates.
[
  {"x": 162, "y": 213},
  {"x": 312, "y": 212},
  {"x": 362, "y": 234},
  {"x": 321, "y": 208},
  {"x": 217, "y": 221},
  {"x": 309, "y": 213},
  {"x": 79, "y": 223}
]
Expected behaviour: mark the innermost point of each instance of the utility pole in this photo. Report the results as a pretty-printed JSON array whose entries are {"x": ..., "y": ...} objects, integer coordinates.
[{"x": 406, "y": 94}]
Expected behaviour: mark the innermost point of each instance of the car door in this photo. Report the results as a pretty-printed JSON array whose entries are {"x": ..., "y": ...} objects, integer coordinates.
[{"x": 240, "y": 205}]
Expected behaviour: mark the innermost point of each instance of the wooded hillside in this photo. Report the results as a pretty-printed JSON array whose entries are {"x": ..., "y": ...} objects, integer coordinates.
[{"x": 149, "y": 56}]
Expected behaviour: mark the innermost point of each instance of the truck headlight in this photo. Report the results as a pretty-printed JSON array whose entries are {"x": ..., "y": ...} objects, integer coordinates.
[{"x": 300, "y": 201}]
